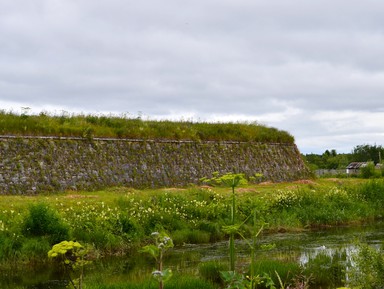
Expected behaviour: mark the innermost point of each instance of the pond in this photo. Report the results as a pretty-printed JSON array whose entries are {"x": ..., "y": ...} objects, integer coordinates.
[{"x": 295, "y": 247}]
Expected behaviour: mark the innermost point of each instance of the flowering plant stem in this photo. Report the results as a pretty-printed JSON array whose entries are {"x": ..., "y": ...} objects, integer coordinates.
[
  {"x": 230, "y": 180},
  {"x": 157, "y": 250},
  {"x": 232, "y": 236}
]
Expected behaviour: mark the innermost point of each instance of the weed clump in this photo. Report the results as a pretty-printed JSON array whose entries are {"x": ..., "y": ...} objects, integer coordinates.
[{"x": 42, "y": 221}]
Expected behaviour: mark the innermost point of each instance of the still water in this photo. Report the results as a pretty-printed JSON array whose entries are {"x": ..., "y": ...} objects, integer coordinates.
[{"x": 297, "y": 247}]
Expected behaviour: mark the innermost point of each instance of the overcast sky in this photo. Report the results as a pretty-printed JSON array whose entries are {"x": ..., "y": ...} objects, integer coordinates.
[{"x": 313, "y": 68}]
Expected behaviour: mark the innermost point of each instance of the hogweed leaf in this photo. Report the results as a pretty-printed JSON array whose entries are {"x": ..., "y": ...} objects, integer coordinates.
[{"x": 152, "y": 250}]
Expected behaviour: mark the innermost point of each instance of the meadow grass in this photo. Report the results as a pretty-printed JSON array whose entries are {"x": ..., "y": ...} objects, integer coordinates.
[
  {"x": 111, "y": 126},
  {"x": 276, "y": 269},
  {"x": 327, "y": 270},
  {"x": 210, "y": 271},
  {"x": 120, "y": 219}
]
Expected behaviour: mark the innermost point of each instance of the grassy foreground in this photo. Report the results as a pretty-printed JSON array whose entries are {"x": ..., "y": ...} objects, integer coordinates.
[{"x": 118, "y": 219}]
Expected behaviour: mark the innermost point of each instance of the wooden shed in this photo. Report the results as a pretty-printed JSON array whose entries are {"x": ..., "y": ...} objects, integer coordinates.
[{"x": 354, "y": 167}]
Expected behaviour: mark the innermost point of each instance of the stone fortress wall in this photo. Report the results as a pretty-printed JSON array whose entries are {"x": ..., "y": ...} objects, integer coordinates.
[{"x": 30, "y": 165}]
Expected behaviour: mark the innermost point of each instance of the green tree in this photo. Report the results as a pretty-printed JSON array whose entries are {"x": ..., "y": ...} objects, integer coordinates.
[
  {"x": 363, "y": 153},
  {"x": 328, "y": 160}
]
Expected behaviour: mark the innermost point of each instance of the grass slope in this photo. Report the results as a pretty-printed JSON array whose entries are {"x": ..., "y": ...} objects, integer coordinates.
[{"x": 89, "y": 126}]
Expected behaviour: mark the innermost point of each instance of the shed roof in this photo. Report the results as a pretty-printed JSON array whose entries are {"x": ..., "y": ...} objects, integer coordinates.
[{"x": 356, "y": 165}]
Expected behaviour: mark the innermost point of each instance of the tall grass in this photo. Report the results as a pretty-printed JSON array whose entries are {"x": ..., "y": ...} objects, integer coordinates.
[
  {"x": 327, "y": 270},
  {"x": 368, "y": 268},
  {"x": 119, "y": 219},
  {"x": 275, "y": 269},
  {"x": 372, "y": 192},
  {"x": 185, "y": 282},
  {"x": 210, "y": 271},
  {"x": 327, "y": 206},
  {"x": 111, "y": 126}
]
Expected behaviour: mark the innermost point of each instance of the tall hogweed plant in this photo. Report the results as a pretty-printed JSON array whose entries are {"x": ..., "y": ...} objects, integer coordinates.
[
  {"x": 231, "y": 277},
  {"x": 162, "y": 243},
  {"x": 230, "y": 180}
]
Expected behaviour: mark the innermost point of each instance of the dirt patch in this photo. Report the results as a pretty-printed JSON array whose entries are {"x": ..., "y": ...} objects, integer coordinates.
[
  {"x": 246, "y": 190},
  {"x": 173, "y": 189},
  {"x": 266, "y": 183},
  {"x": 206, "y": 187},
  {"x": 333, "y": 179},
  {"x": 80, "y": 196},
  {"x": 306, "y": 182}
]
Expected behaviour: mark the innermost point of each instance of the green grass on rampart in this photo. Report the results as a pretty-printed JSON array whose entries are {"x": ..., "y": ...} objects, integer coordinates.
[{"x": 89, "y": 126}]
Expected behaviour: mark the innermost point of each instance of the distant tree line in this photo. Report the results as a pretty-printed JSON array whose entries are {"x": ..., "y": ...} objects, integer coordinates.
[{"x": 330, "y": 159}]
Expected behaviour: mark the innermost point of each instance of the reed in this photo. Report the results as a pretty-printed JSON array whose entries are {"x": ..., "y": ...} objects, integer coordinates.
[
  {"x": 285, "y": 271},
  {"x": 210, "y": 271}
]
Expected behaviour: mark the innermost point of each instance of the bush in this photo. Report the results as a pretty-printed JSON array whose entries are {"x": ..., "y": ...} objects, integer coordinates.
[
  {"x": 43, "y": 221},
  {"x": 369, "y": 171}
]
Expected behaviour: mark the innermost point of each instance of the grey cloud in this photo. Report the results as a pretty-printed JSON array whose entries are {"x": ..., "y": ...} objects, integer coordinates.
[{"x": 277, "y": 61}]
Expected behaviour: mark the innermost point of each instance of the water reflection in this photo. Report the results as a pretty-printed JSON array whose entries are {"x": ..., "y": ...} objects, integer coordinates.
[{"x": 312, "y": 248}]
